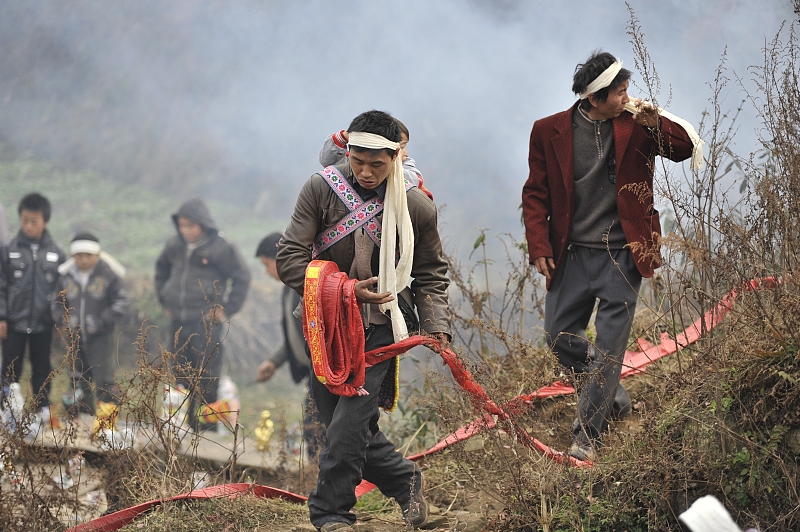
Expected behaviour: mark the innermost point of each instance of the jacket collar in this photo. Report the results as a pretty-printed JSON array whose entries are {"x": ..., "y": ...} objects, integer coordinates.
[
  {"x": 563, "y": 141},
  {"x": 563, "y": 144},
  {"x": 44, "y": 240}
]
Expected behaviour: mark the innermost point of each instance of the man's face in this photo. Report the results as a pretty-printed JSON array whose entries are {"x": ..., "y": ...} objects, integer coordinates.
[
  {"x": 32, "y": 224},
  {"x": 371, "y": 170},
  {"x": 85, "y": 261},
  {"x": 614, "y": 104},
  {"x": 270, "y": 266},
  {"x": 191, "y": 231}
]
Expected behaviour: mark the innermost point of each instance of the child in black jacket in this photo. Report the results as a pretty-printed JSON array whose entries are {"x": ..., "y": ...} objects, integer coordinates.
[{"x": 28, "y": 276}]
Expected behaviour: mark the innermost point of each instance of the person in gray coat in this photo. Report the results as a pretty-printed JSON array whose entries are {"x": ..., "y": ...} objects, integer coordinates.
[{"x": 201, "y": 281}]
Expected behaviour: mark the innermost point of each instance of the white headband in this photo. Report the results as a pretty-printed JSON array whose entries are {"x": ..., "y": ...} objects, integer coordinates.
[
  {"x": 84, "y": 246},
  {"x": 371, "y": 141},
  {"x": 603, "y": 80}
]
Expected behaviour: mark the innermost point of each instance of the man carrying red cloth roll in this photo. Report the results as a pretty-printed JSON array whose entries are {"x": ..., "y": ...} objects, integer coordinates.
[{"x": 380, "y": 230}]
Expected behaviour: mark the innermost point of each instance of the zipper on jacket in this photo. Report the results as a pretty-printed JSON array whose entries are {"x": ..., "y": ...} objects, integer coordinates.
[
  {"x": 82, "y": 313},
  {"x": 35, "y": 254},
  {"x": 184, "y": 277}
]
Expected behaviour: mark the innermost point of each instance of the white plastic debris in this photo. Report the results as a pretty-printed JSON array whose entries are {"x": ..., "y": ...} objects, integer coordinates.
[
  {"x": 63, "y": 480},
  {"x": 175, "y": 405},
  {"x": 707, "y": 514},
  {"x": 200, "y": 480},
  {"x": 12, "y": 405},
  {"x": 75, "y": 466},
  {"x": 113, "y": 440},
  {"x": 228, "y": 392}
]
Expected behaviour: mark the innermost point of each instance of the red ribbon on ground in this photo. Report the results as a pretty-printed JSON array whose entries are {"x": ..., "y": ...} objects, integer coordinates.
[{"x": 117, "y": 520}]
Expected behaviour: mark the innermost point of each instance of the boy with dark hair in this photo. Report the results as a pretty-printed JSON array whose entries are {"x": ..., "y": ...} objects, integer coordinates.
[
  {"x": 406, "y": 246},
  {"x": 28, "y": 276},
  {"x": 293, "y": 348},
  {"x": 201, "y": 280},
  {"x": 92, "y": 291}
]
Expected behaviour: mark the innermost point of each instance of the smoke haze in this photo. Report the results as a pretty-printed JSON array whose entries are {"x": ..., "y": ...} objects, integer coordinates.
[{"x": 232, "y": 100}]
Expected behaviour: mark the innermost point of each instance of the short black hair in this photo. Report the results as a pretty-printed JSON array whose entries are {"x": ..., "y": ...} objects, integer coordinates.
[
  {"x": 587, "y": 72},
  {"x": 35, "y": 202},
  {"x": 268, "y": 247},
  {"x": 85, "y": 235},
  {"x": 403, "y": 129},
  {"x": 377, "y": 123}
]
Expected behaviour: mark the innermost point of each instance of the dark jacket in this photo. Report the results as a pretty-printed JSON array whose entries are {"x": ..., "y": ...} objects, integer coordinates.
[
  {"x": 189, "y": 281},
  {"x": 293, "y": 348},
  {"x": 28, "y": 281},
  {"x": 548, "y": 202},
  {"x": 319, "y": 208},
  {"x": 97, "y": 309}
]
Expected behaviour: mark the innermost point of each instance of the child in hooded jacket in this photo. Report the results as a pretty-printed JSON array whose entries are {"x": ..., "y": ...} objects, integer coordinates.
[{"x": 201, "y": 280}]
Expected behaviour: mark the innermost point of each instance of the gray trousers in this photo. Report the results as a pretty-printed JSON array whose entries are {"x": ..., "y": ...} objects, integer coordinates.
[
  {"x": 95, "y": 364},
  {"x": 198, "y": 364},
  {"x": 585, "y": 278}
]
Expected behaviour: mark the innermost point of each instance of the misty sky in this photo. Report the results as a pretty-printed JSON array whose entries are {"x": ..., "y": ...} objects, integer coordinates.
[{"x": 233, "y": 99}]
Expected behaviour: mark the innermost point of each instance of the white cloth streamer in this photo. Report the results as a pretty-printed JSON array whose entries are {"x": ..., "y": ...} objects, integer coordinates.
[
  {"x": 635, "y": 104},
  {"x": 396, "y": 223}
]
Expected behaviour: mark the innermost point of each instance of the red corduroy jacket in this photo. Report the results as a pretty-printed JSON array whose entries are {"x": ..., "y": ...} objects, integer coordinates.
[{"x": 548, "y": 203}]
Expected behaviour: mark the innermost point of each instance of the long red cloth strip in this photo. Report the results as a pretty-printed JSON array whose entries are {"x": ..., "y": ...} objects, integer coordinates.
[
  {"x": 635, "y": 362},
  {"x": 330, "y": 312}
]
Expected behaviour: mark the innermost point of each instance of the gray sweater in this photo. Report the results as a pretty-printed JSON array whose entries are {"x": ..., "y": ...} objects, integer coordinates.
[{"x": 596, "y": 219}]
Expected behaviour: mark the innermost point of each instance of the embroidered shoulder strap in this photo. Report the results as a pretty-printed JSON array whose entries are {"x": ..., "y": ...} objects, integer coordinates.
[{"x": 362, "y": 214}]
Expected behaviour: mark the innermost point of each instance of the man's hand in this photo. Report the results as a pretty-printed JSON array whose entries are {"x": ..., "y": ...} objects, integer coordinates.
[
  {"x": 444, "y": 341},
  {"x": 265, "y": 371},
  {"x": 545, "y": 266},
  {"x": 364, "y": 293},
  {"x": 646, "y": 114},
  {"x": 3, "y": 329}
]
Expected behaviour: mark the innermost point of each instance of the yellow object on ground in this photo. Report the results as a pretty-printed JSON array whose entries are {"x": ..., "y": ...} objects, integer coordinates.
[
  {"x": 263, "y": 431},
  {"x": 106, "y": 417}
]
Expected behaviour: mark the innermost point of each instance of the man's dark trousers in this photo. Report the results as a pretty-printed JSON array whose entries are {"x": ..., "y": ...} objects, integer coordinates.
[
  {"x": 586, "y": 277},
  {"x": 39, "y": 349},
  {"x": 355, "y": 448},
  {"x": 198, "y": 363}
]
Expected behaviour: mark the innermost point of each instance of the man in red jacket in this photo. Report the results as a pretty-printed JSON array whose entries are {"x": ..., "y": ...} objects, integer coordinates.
[{"x": 593, "y": 231}]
